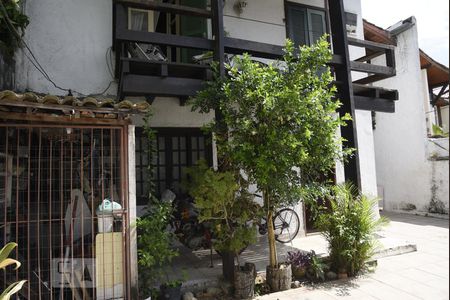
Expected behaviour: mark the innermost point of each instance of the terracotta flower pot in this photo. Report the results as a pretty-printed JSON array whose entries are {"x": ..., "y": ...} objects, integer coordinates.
[{"x": 342, "y": 274}]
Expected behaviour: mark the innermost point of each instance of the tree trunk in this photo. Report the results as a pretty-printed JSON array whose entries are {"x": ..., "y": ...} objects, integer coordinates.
[
  {"x": 271, "y": 240},
  {"x": 228, "y": 266},
  {"x": 273, "y": 261}
]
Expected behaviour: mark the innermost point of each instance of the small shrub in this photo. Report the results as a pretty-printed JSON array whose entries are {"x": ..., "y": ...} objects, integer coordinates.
[
  {"x": 316, "y": 269},
  {"x": 349, "y": 227},
  {"x": 223, "y": 201},
  {"x": 155, "y": 252},
  {"x": 300, "y": 259}
]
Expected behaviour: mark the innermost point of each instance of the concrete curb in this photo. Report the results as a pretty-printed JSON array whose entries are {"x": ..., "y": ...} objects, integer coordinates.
[{"x": 396, "y": 250}]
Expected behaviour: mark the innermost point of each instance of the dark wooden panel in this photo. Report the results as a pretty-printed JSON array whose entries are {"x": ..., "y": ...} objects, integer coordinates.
[
  {"x": 166, "y": 7},
  {"x": 219, "y": 56},
  {"x": 369, "y": 44},
  {"x": 166, "y": 69},
  {"x": 369, "y": 56},
  {"x": 376, "y": 92},
  {"x": 139, "y": 85},
  {"x": 218, "y": 30},
  {"x": 374, "y": 104},
  {"x": 164, "y": 39},
  {"x": 373, "y": 69},
  {"x": 371, "y": 79},
  {"x": 343, "y": 75},
  {"x": 263, "y": 50}
]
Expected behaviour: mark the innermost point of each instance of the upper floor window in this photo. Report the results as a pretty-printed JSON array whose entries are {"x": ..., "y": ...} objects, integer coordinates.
[
  {"x": 141, "y": 20},
  {"x": 304, "y": 25}
]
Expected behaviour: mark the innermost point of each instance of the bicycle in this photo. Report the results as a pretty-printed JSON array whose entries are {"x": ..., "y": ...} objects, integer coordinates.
[{"x": 286, "y": 224}]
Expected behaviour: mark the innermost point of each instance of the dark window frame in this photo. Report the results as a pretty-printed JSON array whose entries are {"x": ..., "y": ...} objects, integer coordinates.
[
  {"x": 167, "y": 134},
  {"x": 289, "y": 4}
]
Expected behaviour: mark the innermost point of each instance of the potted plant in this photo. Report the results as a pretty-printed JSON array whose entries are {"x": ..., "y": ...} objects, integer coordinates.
[
  {"x": 170, "y": 290},
  {"x": 349, "y": 226},
  {"x": 277, "y": 124},
  {"x": 300, "y": 261},
  {"x": 223, "y": 201}
]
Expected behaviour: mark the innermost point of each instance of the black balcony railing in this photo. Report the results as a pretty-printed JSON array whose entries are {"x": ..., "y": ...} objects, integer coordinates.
[{"x": 146, "y": 77}]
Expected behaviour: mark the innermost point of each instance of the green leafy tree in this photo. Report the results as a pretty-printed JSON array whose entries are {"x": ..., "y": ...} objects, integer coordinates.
[{"x": 278, "y": 123}]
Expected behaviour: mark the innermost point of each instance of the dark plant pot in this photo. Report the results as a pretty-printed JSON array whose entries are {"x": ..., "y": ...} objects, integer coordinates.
[
  {"x": 299, "y": 272},
  {"x": 244, "y": 281},
  {"x": 170, "y": 292},
  {"x": 342, "y": 274},
  {"x": 279, "y": 278}
]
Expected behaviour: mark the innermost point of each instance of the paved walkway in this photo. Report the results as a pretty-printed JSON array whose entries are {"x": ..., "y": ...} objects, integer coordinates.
[{"x": 418, "y": 275}]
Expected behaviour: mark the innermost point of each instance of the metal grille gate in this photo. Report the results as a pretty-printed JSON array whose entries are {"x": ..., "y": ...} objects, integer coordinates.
[{"x": 52, "y": 181}]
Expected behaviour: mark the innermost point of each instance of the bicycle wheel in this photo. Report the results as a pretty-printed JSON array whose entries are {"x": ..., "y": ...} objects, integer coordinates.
[{"x": 286, "y": 225}]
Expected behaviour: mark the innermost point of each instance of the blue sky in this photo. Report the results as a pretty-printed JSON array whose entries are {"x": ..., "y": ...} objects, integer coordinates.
[{"x": 432, "y": 21}]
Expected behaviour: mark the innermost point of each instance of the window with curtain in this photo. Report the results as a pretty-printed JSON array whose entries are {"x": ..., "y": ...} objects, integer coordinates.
[
  {"x": 304, "y": 25},
  {"x": 140, "y": 20}
]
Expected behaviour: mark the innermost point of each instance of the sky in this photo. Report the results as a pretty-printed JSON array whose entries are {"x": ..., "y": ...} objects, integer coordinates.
[{"x": 432, "y": 21}]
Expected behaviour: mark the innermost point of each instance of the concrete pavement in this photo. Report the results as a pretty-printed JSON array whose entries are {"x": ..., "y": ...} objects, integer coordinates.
[{"x": 418, "y": 275}]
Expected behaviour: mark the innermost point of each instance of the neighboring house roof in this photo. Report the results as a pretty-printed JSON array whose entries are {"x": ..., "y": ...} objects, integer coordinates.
[
  {"x": 438, "y": 74},
  {"x": 88, "y": 107},
  {"x": 377, "y": 34}
]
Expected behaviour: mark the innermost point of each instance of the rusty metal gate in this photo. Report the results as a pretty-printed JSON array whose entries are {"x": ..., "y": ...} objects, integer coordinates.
[{"x": 64, "y": 201}]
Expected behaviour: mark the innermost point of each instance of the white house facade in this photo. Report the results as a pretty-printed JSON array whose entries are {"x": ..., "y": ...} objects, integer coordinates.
[{"x": 100, "y": 56}]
